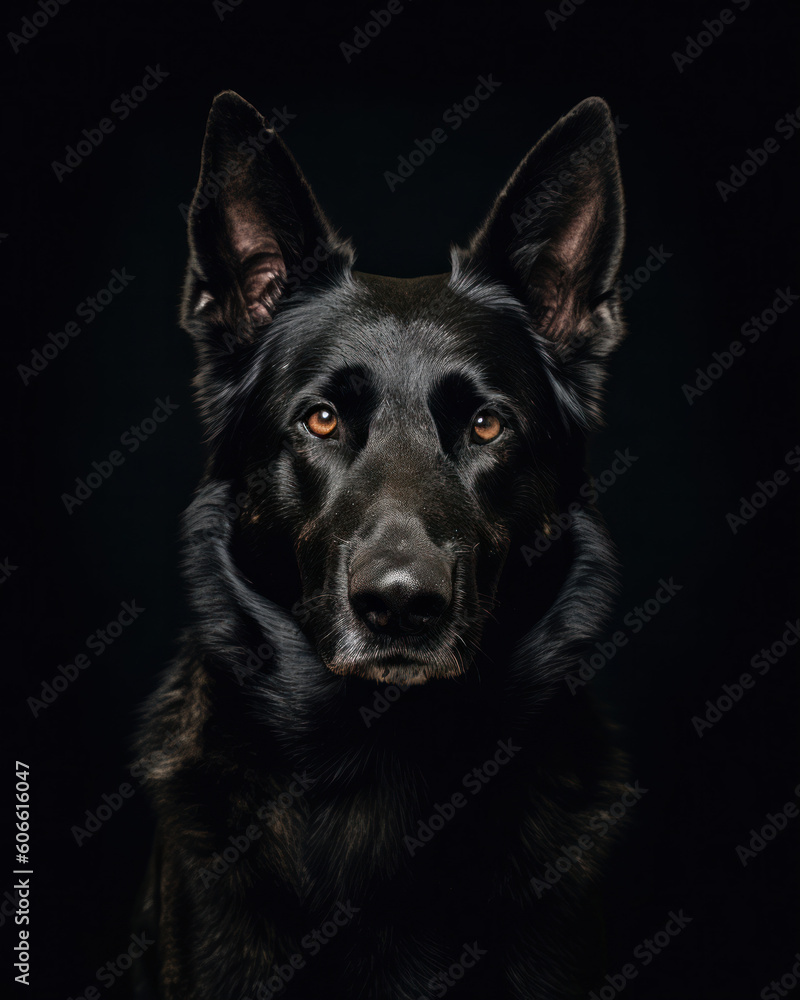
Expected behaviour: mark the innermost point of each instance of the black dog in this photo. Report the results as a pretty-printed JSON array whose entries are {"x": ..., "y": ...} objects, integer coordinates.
[{"x": 367, "y": 762}]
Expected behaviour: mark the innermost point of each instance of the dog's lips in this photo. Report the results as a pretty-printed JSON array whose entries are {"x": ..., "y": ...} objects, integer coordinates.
[
  {"x": 398, "y": 670},
  {"x": 437, "y": 652}
]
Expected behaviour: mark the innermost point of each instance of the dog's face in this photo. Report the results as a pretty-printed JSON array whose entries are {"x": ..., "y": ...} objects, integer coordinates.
[
  {"x": 398, "y": 438},
  {"x": 408, "y": 418}
]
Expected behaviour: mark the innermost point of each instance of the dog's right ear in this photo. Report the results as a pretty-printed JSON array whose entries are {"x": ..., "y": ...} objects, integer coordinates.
[{"x": 252, "y": 221}]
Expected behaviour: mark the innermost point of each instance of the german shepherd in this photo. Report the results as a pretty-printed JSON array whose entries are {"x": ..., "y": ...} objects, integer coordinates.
[{"x": 370, "y": 777}]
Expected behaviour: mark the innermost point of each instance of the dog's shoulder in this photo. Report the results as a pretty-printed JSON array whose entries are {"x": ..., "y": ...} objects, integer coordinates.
[{"x": 174, "y": 724}]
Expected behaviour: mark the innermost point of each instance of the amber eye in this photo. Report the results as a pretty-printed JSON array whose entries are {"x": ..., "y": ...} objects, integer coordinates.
[
  {"x": 486, "y": 428},
  {"x": 322, "y": 422}
]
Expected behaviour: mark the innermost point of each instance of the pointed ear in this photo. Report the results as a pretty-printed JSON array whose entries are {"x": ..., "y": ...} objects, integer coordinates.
[
  {"x": 555, "y": 233},
  {"x": 252, "y": 223}
]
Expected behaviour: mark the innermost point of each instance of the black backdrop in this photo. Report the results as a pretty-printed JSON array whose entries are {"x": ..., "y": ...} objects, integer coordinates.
[{"x": 723, "y": 256}]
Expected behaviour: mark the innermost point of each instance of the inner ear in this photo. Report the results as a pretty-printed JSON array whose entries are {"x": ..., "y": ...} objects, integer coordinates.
[
  {"x": 240, "y": 254},
  {"x": 262, "y": 284},
  {"x": 259, "y": 261},
  {"x": 560, "y": 275},
  {"x": 245, "y": 279}
]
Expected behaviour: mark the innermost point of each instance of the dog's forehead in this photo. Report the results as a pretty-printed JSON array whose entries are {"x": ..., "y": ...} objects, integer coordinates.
[
  {"x": 410, "y": 329},
  {"x": 437, "y": 304}
]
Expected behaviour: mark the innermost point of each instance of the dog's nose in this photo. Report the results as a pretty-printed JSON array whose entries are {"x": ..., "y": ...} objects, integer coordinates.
[{"x": 400, "y": 591}]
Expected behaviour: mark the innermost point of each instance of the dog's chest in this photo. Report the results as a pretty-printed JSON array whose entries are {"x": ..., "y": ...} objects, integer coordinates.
[{"x": 376, "y": 842}]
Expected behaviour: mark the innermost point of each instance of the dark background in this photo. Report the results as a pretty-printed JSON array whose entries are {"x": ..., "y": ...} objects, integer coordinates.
[{"x": 120, "y": 209}]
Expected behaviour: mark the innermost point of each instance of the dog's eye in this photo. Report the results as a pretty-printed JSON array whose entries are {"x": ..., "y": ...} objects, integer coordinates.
[
  {"x": 322, "y": 422},
  {"x": 486, "y": 428}
]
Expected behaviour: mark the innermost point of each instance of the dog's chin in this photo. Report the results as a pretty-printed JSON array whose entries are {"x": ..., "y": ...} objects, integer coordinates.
[{"x": 402, "y": 672}]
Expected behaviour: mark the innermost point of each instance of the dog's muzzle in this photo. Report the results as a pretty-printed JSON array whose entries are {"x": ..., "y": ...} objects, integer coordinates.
[{"x": 400, "y": 582}]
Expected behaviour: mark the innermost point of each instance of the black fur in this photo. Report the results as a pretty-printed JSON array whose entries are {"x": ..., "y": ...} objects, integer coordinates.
[{"x": 368, "y": 624}]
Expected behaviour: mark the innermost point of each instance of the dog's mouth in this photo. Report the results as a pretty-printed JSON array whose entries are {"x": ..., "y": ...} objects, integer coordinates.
[
  {"x": 400, "y": 670},
  {"x": 399, "y": 610},
  {"x": 437, "y": 649},
  {"x": 401, "y": 674}
]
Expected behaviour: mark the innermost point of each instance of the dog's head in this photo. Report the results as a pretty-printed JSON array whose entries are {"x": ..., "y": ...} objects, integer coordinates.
[{"x": 392, "y": 443}]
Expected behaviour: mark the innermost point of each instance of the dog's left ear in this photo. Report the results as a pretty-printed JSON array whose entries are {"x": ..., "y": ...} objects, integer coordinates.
[{"x": 555, "y": 233}]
